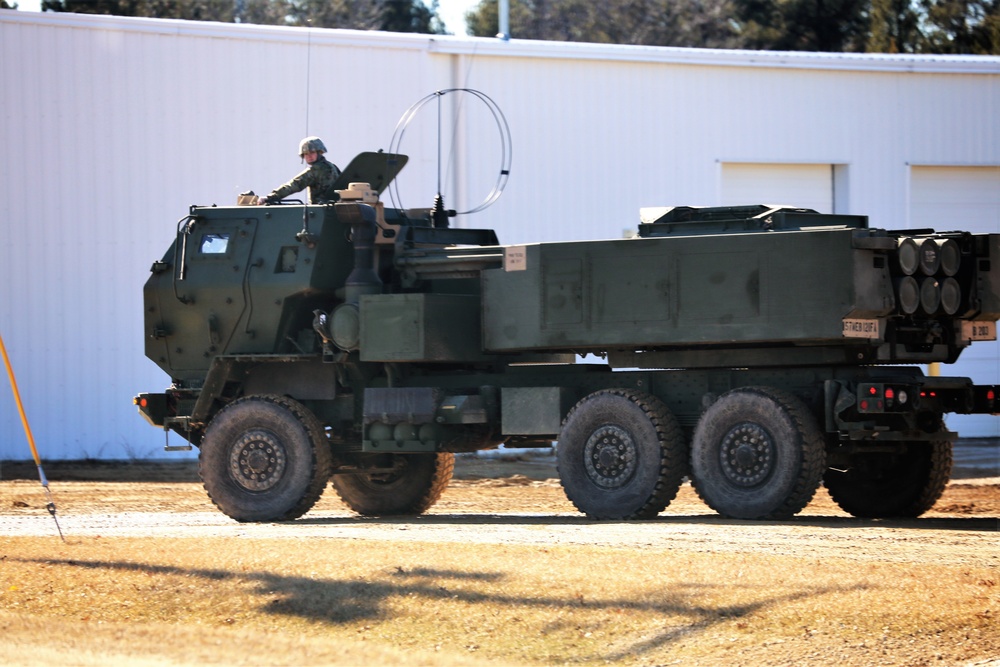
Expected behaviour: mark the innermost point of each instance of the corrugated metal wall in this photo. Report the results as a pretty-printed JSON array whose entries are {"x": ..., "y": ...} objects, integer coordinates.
[{"x": 111, "y": 127}]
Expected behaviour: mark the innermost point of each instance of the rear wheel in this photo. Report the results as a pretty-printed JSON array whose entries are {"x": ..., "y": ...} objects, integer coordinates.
[
  {"x": 410, "y": 484},
  {"x": 264, "y": 458},
  {"x": 621, "y": 455},
  {"x": 757, "y": 454},
  {"x": 892, "y": 485}
]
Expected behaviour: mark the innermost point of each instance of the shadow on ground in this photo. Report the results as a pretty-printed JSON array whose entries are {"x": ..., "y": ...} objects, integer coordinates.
[{"x": 341, "y": 601}]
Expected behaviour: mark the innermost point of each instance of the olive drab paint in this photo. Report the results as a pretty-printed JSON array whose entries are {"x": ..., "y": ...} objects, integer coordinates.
[{"x": 759, "y": 350}]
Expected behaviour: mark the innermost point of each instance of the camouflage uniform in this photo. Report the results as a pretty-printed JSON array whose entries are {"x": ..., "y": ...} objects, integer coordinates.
[{"x": 319, "y": 178}]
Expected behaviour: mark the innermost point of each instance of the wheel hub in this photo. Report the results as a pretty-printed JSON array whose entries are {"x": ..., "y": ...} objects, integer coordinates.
[
  {"x": 610, "y": 457},
  {"x": 257, "y": 460},
  {"x": 747, "y": 454}
]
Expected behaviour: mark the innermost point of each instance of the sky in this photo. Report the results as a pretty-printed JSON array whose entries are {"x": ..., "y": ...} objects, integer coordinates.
[{"x": 452, "y": 12}]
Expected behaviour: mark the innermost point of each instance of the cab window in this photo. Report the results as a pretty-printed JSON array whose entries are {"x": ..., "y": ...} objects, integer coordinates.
[{"x": 214, "y": 244}]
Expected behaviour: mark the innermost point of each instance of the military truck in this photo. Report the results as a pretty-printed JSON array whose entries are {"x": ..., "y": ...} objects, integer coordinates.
[{"x": 757, "y": 350}]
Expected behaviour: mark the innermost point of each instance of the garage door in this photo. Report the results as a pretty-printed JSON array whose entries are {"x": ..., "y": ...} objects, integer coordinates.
[
  {"x": 801, "y": 185},
  {"x": 966, "y": 198}
]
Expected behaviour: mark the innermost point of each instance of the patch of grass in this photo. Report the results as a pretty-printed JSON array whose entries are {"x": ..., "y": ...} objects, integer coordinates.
[{"x": 351, "y": 601}]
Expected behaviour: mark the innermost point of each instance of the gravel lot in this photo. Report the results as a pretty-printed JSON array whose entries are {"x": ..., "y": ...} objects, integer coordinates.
[{"x": 504, "y": 501}]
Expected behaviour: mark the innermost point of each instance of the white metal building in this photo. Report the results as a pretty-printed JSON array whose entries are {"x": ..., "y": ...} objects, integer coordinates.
[{"x": 111, "y": 127}]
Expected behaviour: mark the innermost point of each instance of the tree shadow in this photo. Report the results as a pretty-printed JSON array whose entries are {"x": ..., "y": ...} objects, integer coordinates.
[{"x": 341, "y": 601}]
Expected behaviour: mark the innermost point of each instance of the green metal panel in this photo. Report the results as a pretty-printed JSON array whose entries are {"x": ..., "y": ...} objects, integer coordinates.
[
  {"x": 377, "y": 169},
  {"x": 238, "y": 281},
  {"x": 533, "y": 410},
  {"x": 420, "y": 327},
  {"x": 732, "y": 289}
]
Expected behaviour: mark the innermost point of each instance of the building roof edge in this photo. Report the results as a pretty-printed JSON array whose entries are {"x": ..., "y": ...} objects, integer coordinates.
[{"x": 520, "y": 48}]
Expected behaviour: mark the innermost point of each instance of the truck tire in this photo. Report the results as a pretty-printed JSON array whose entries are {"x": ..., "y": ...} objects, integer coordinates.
[
  {"x": 621, "y": 455},
  {"x": 757, "y": 453},
  {"x": 882, "y": 486},
  {"x": 412, "y": 489},
  {"x": 264, "y": 458}
]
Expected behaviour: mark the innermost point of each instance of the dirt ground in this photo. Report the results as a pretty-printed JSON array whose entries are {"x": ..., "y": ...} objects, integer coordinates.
[
  {"x": 512, "y": 484},
  {"x": 502, "y": 500},
  {"x": 518, "y": 501}
]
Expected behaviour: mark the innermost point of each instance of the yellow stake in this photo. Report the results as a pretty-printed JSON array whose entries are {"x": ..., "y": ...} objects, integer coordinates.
[
  {"x": 51, "y": 507},
  {"x": 17, "y": 399}
]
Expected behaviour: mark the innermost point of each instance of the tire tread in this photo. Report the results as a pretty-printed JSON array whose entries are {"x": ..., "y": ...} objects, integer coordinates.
[
  {"x": 672, "y": 464},
  {"x": 320, "y": 468},
  {"x": 813, "y": 454},
  {"x": 368, "y": 501}
]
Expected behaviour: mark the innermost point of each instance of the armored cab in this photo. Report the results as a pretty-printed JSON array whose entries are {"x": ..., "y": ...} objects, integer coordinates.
[{"x": 246, "y": 279}]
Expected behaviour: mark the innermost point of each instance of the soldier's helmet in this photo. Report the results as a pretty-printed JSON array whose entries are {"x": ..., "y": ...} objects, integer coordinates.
[{"x": 310, "y": 144}]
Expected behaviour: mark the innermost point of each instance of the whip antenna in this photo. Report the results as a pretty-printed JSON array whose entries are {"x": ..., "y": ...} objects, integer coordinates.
[{"x": 438, "y": 213}]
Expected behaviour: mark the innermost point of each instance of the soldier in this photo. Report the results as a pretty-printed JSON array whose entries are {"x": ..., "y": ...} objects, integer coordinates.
[{"x": 319, "y": 177}]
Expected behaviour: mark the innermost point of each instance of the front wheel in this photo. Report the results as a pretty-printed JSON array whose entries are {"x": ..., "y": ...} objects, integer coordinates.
[
  {"x": 621, "y": 455},
  {"x": 264, "y": 458},
  {"x": 757, "y": 454}
]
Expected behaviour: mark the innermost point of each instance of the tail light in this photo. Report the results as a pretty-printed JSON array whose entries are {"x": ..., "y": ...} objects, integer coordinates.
[{"x": 875, "y": 397}]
